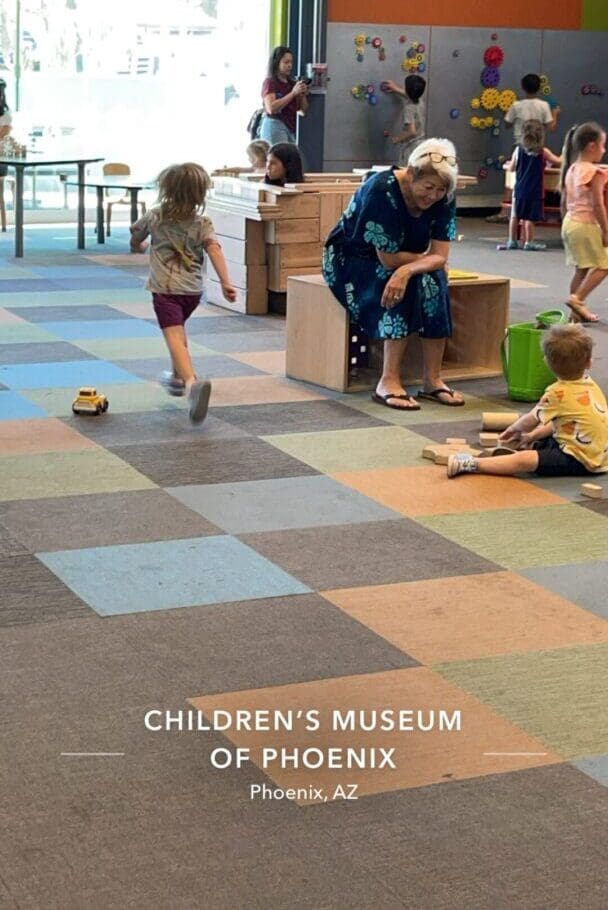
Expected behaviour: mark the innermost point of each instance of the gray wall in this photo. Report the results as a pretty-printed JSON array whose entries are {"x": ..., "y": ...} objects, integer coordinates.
[{"x": 354, "y": 129}]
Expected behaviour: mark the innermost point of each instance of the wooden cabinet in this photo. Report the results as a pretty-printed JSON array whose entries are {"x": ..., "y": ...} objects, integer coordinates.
[{"x": 323, "y": 348}]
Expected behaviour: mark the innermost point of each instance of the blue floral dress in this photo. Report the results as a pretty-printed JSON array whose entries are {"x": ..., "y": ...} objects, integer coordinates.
[{"x": 377, "y": 219}]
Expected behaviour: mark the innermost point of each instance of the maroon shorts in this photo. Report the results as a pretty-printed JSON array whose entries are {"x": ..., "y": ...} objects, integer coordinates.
[{"x": 174, "y": 309}]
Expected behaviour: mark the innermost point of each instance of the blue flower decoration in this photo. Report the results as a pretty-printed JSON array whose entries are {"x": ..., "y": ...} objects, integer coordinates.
[
  {"x": 374, "y": 234},
  {"x": 392, "y": 325}
]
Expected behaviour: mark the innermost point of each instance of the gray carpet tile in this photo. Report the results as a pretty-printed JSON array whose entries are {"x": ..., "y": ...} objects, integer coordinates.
[
  {"x": 81, "y": 313},
  {"x": 9, "y": 544},
  {"x": 42, "y": 352},
  {"x": 61, "y": 523},
  {"x": 32, "y": 594},
  {"x": 214, "y": 367},
  {"x": 500, "y": 842},
  {"x": 171, "y": 426},
  {"x": 374, "y": 553},
  {"x": 242, "y": 342},
  {"x": 250, "y": 644},
  {"x": 217, "y": 325},
  {"x": 161, "y": 858},
  {"x": 439, "y": 432},
  {"x": 213, "y": 461},
  {"x": 599, "y": 506},
  {"x": 296, "y": 417},
  {"x": 582, "y": 583}
]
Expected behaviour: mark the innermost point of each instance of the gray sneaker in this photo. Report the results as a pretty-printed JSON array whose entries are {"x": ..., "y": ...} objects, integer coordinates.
[
  {"x": 461, "y": 463},
  {"x": 172, "y": 383},
  {"x": 199, "y": 400}
]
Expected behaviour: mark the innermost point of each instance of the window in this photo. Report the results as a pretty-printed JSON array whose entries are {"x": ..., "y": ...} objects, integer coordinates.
[{"x": 146, "y": 82}]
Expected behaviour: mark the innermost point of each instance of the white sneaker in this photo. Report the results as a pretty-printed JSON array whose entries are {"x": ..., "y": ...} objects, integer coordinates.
[
  {"x": 461, "y": 463},
  {"x": 172, "y": 383},
  {"x": 200, "y": 392}
]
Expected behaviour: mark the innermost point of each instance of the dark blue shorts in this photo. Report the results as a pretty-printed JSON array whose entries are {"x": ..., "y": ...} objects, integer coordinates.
[{"x": 552, "y": 462}]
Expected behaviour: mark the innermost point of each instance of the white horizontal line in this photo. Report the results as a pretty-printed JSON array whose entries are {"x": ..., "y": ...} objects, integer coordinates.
[
  {"x": 514, "y": 753},
  {"x": 81, "y": 754}
]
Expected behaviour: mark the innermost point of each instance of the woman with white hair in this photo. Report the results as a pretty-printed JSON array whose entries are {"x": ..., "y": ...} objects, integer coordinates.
[{"x": 385, "y": 263}]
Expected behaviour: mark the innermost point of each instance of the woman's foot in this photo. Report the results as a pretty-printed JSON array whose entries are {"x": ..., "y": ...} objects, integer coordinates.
[
  {"x": 440, "y": 393},
  {"x": 395, "y": 397},
  {"x": 580, "y": 313}
]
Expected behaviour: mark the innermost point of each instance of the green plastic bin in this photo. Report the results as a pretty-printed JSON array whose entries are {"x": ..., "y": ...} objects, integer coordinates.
[{"x": 523, "y": 363}]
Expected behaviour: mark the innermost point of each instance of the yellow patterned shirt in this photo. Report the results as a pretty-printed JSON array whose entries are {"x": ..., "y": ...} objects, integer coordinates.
[{"x": 579, "y": 413}]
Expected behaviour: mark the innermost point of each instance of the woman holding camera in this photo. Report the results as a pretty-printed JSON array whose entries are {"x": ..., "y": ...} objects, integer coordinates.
[{"x": 283, "y": 97}]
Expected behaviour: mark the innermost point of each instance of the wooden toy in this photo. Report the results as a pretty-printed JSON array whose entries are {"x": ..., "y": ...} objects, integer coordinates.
[
  {"x": 593, "y": 490},
  {"x": 488, "y": 440},
  {"x": 455, "y": 441},
  {"x": 497, "y": 421}
]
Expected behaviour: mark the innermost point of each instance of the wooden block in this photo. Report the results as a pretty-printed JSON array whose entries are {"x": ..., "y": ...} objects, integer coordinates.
[
  {"x": 593, "y": 490},
  {"x": 331, "y": 209},
  {"x": 304, "y": 205},
  {"x": 455, "y": 441},
  {"x": 248, "y": 277},
  {"x": 488, "y": 440},
  {"x": 251, "y": 251},
  {"x": 317, "y": 332},
  {"x": 496, "y": 421},
  {"x": 292, "y": 230},
  {"x": 250, "y": 300}
]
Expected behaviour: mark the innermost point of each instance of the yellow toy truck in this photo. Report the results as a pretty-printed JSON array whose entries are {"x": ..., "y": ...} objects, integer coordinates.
[{"x": 88, "y": 401}]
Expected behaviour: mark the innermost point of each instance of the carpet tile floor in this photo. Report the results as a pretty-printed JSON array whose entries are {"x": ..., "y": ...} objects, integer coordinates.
[{"x": 294, "y": 553}]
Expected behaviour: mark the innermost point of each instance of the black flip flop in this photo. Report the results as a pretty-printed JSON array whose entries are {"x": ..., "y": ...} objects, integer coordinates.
[
  {"x": 435, "y": 396},
  {"x": 384, "y": 399}
]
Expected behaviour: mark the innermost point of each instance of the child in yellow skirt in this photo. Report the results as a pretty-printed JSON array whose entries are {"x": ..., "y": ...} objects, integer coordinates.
[{"x": 584, "y": 214}]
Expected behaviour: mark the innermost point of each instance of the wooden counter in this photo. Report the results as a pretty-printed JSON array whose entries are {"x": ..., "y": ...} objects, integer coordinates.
[{"x": 271, "y": 233}]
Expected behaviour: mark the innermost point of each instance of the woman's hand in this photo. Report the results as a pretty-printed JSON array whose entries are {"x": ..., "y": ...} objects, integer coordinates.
[
  {"x": 300, "y": 88},
  {"x": 395, "y": 288}
]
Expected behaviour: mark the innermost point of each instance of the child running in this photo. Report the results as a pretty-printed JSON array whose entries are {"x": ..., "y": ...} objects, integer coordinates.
[
  {"x": 584, "y": 214},
  {"x": 528, "y": 161},
  {"x": 180, "y": 237},
  {"x": 566, "y": 433}
]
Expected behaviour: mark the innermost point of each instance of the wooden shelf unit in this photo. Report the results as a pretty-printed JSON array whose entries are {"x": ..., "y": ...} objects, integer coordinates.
[{"x": 319, "y": 335}]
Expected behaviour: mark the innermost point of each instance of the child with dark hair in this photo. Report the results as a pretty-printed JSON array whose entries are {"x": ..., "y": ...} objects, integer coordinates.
[
  {"x": 283, "y": 98},
  {"x": 584, "y": 214},
  {"x": 181, "y": 236},
  {"x": 566, "y": 433},
  {"x": 528, "y": 161},
  {"x": 284, "y": 165},
  {"x": 413, "y": 115},
  {"x": 530, "y": 108}
]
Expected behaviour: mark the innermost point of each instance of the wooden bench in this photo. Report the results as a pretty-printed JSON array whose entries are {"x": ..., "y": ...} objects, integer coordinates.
[{"x": 323, "y": 348}]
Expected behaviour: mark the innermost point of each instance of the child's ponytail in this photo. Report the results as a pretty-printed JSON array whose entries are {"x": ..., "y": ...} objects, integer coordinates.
[{"x": 567, "y": 155}]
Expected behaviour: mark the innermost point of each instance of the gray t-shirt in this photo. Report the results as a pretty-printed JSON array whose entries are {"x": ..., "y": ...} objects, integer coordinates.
[
  {"x": 527, "y": 109},
  {"x": 177, "y": 251},
  {"x": 412, "y": 114}
]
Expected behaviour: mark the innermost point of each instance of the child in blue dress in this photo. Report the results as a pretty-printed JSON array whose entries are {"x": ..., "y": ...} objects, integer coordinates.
[
  {"x": 529, "y": 161},
  {"x": 385, "y": 263}
]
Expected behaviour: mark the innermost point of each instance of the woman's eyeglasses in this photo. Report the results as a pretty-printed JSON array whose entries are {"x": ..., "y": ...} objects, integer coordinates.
[{"x": 437, "y": 158}]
